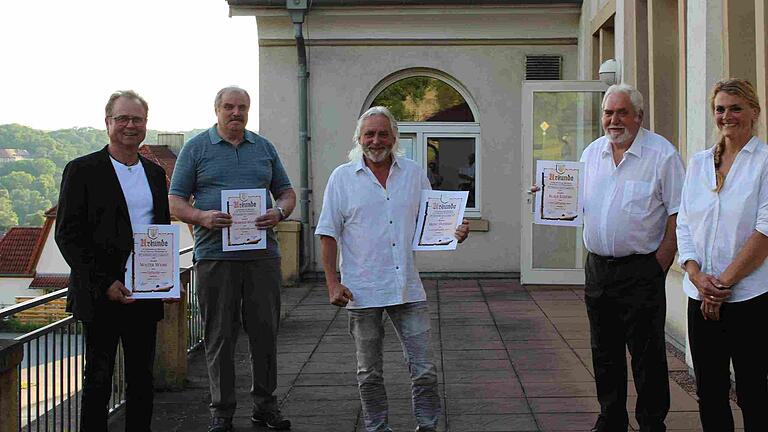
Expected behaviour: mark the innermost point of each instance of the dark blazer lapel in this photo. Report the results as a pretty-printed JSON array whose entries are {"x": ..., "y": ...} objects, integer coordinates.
[{"x": 112, "y": 185}]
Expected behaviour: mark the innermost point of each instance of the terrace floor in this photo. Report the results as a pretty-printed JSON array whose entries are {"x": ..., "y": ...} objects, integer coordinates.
[{"x": 509, "y": 358}]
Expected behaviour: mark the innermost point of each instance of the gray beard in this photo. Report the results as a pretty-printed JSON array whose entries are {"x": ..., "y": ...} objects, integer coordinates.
[
  {"x": 621, "y": 139},
  {"x": 377, "y": 157}
]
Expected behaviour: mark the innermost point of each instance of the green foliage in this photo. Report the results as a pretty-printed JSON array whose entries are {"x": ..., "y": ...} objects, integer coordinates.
[
  {"x": 17, "y": 180},
  {"x": 13, "y": 325},
  {"x": 30, "y": 187},
  {"x": 417, "y": 98},
  {"x": 30, "y": 205},
  {"x": 8, "y": 217}
]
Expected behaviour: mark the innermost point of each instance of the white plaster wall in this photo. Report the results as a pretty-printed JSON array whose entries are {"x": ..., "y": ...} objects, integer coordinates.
[
  {"x": 51, "y": 260},
  {"x": 187, "y": 240},
  {"x": 704, "y": 62},
  {"x": 343, "y": 76},
  {"x": 443, "y": 23},
  {"x": 10, "y": 288},
  {"x": 677, "y": 304}
]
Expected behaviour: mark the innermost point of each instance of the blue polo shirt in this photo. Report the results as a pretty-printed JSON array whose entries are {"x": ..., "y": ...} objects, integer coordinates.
[{"x": 207, "y": 165}]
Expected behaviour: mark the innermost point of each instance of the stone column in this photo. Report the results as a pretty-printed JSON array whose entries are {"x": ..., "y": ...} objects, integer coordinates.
[
  {"x": 171, "y": 348},
  {"x": 10, "y": 357}
]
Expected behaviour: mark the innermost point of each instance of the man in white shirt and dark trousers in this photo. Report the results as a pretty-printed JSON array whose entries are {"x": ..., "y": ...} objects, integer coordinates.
[
  {"x": 633, "y": 182},
  {"x": 370, "y": 208}
]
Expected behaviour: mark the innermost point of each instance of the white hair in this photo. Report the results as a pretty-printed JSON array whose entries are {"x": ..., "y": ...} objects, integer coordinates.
[
  {"x": 357, "y": 150},
  {"x": 635, "y": 97},
  {"x": 230, "y": 89}
]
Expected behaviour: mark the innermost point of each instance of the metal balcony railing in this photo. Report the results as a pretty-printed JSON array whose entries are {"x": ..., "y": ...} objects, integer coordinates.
[{"x": 51, "y": 371}]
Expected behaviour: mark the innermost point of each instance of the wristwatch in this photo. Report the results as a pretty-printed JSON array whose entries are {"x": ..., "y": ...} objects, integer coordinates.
[{"x": 282, "y": 212}]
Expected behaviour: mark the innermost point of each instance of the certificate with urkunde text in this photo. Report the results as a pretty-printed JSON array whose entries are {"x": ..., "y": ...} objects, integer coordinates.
[
  {"x": 440, "y": 213},
  {"x": 559, "y": 202},
  {"x": 152, "y": 271},
  {"x": 244, "y": 205}
]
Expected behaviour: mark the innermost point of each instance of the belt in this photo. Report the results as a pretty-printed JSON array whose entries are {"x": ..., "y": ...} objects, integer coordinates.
[{"x": 620, "y": 260}]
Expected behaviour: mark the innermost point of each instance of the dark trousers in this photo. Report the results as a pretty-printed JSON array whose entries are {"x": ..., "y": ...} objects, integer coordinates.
[
  {"x": 234, "y": 294},
  {"x": 101, "y": 339},
  {"x": 626, "y": 306},
  {"x": 739, "y": 336}
]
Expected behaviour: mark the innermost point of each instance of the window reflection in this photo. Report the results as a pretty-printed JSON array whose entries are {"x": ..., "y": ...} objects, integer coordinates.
[
  {"x": 451, "y": 165},
  {"x": 424, "y": 99}
]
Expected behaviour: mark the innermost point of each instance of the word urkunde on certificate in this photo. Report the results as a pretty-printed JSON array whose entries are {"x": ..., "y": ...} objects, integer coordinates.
[
  {"x": 560, "y": 200},
  {"x": 440, "y": 212},
  {"x": 244, "y": 205},
  {"x": 153, "y": 266}
]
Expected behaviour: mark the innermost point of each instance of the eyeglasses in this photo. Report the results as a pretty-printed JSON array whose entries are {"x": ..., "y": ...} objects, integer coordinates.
[{"x": 123, "y": 120}]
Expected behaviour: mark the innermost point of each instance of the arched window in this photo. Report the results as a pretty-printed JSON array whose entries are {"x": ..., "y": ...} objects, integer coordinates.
[{"x": 438, "y": 128}]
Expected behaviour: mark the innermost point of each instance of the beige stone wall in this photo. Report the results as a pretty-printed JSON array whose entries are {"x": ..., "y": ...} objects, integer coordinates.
[{"x": 350, "y": 55}]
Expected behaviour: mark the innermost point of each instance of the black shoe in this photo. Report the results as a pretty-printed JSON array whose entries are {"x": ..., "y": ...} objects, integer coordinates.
[
  {"x": 221, "y": 424},
  {"x": 602, "y": 425},
  {"x": 271, "y": 419}
]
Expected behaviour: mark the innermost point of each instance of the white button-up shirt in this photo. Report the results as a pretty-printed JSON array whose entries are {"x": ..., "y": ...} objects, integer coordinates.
[
  {"x": 626, "y": 206},
  {"x": 374, "y": 227},
  {"x": 713, "y": 227}
]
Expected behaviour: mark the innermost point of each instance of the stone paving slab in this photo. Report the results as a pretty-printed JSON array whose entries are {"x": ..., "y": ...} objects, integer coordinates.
[{"x": 509, "y": 358}]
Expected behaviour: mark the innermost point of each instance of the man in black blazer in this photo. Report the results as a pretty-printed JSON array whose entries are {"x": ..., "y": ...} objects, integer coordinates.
[{"x": 102, "y": 194}]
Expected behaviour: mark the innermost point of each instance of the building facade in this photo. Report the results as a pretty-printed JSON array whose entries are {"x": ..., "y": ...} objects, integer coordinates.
[{"x": 489, "y": 53}]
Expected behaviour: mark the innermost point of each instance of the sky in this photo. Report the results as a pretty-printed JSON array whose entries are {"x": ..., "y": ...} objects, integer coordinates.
[{"x": 61, "y": 59}]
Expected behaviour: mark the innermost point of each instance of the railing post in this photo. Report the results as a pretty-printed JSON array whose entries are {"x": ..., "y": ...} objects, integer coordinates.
[
  {"x": 172, "y": 334},
  {"x": 10, "y": 357}
]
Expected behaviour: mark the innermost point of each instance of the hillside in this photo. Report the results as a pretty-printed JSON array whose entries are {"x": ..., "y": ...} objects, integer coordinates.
[{"x": 29, "y": 187}]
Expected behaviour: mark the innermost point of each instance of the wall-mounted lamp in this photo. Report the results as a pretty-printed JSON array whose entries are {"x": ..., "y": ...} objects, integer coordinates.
[{"x": 609, "y": 72}]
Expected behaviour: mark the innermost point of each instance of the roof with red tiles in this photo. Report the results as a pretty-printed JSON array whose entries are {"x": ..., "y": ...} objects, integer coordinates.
[
  {"x": 161, "y": 155},
  {"x": 19, "y": 250},
  {"x": 50, "y": 281}
]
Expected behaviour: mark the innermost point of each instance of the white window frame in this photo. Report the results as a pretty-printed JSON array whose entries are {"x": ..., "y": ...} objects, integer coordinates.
[{"x": 425, "y": 130}]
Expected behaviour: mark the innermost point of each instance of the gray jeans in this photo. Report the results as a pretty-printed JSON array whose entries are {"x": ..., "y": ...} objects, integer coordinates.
[
  {"x": 411, "y": 322},
  {"x": 231, "y": 294}
]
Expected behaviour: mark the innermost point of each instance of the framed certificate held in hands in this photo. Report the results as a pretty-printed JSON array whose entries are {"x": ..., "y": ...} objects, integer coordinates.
[
  {"x": 244, "y": 205},
  {"x": 440, "y": 212},
  {"x": 152, "y": 271},
  {"x": 560, "y": 201}
]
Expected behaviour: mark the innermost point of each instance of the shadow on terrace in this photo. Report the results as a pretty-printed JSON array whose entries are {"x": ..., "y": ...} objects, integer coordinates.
[{"x": 509, "y": 358}]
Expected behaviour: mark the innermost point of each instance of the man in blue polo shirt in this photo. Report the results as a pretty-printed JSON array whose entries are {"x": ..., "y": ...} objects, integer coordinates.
[{"x": 234, "y": 284}]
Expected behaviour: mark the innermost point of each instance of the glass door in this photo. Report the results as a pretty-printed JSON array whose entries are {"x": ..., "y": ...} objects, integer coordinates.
[{"x": 560, "y": 118}]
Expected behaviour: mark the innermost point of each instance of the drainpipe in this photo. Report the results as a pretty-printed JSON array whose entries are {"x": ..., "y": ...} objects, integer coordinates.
[{"x": 298, "y": 10}]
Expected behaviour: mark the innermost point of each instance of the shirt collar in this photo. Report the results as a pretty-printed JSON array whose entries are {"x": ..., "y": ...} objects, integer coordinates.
[
  {"x": 636, "y": 149},
  {"x": 213, "y": 134},
  {"x": 359, "y": 164},
  {"x": 750, "y": 146}
]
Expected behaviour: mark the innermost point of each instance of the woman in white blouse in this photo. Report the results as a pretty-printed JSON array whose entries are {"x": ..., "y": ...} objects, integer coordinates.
[{"x": 721, "y": 232}]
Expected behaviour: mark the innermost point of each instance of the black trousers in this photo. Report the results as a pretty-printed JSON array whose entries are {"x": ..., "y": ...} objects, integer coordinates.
[
  {"x": 138, "y": 336},
  {"x": 626, "y": 306},
  {"x": 739, "y": 336}
]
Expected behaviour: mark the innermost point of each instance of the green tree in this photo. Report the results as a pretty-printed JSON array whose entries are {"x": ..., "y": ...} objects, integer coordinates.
[
  {"x": 30, "y": 206},
  {"x": 8, "y": 217},
  {"x": 47, "y": 185},
  {"x": 17, "y": 180},
  {"x": 35, "y": 167}
]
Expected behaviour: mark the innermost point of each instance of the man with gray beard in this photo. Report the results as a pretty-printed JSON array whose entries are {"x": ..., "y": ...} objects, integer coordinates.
[
  {"x": 633, "y": 182},
  {"x": 370, "y": 207}
]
